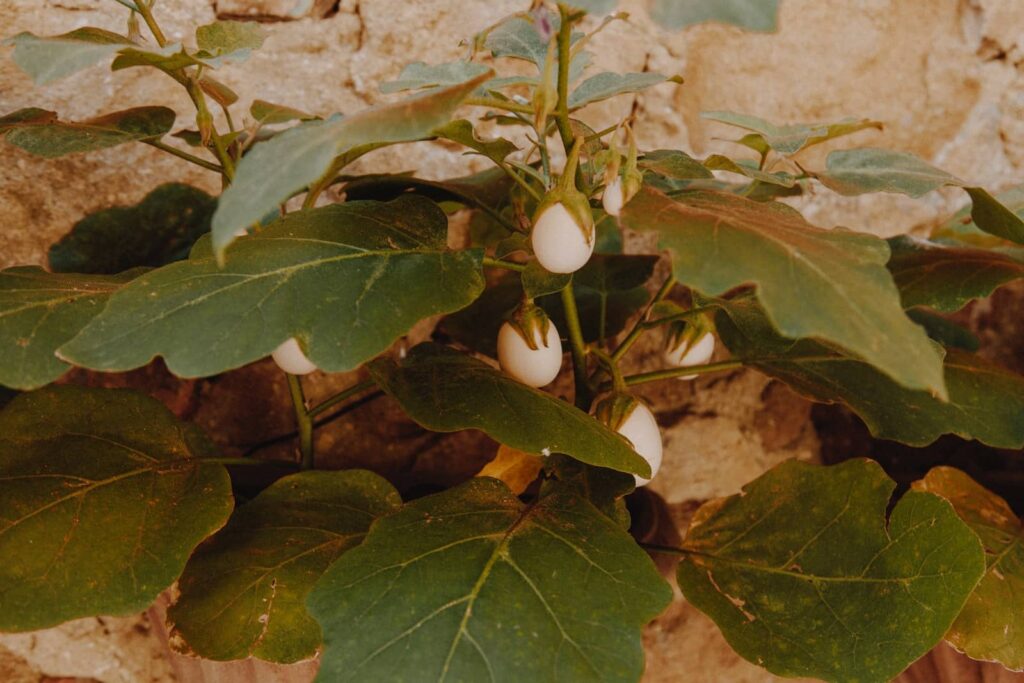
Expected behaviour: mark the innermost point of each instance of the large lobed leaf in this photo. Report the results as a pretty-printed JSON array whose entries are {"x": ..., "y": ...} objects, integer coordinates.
[
  {"x": 831, "y": 285},
  {"x": 991, "y": 625},
  {"x": 337, "y": 277},
  {"x": 49, "y": 58},
  {"x": 806, "y": 576},
  {"x": 39, "y": 312},
  {"x": 792, "y": 138},
  {"x": 859, "y": 171},
  {"x": 40, "y": 132},
  {"x": 102, "y": 502},
  {"x": 985, "y": 400},
  {"x": 243, "y": 593},
  {"x": 604, "y": 85},
  {"x": 289, "y": 162},
  {"x": 946, "y": 278},
  {"x": 473, "y": 585},
  {"x": 447, "y": 391}
]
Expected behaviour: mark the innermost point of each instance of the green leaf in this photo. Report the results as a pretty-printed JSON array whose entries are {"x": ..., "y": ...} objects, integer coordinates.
[
  {"x": 461, "y": 131},
  {"x": 993, "y": 217},
  {"x": 537, "y": 282},
  {"x": 944, "y": 330},
  {"x": 421, "y": 75},
  {"x": 788, "y": 139},
  {"x": 946, "y": 278},
  {"x": 47, "y": 59},
  {"x": 168, "y": 58},
  {"x": 753, "y": 15},
  {"x": 985, "y": 400},
  {"x": 518, "y": 38},
  {"x": 805, "y": 576},
  {"x": 269, "y": 114},
  {"x": 276, "y": 169},
  {"x": 991, "y": 625},
  {"x": 718, "y": 162},
  {"x": 233, "y": 39},
  {"x": 859, "y": 171},
  {"x": 962, "y": 228},
  {"x": 101, "y": 505},
  {"x": 39, "y": 312},
  {"x": 473, "y": 585},
  {"x": 243, "y": 593},
  {"x": 604, "y": 85},
  {"x": 338, "y": 278},
  {"x": 48, "y": 137},
  {"x": 828, "y": 284},
  {"x": 159, "y": 230},
  {"x": 448, "y": 391},
  {"x": 674, "y": 164}
]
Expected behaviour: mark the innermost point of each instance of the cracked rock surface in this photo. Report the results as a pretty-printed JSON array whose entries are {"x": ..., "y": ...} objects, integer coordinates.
[{"x": 945, "y": 76}]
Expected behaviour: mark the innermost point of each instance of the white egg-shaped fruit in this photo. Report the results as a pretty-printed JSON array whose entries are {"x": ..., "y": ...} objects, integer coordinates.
[
  {"x": 558, "y": 242},
  {"x": 688, "y": 354},
  {"x": 611, "y": 200},
  {"x": 290, "y": 358},
  {"x": 533, "y": 367},
  {"x": 641, "y": 429}
]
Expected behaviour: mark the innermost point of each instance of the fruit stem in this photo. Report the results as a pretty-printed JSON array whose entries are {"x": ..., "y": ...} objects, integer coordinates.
[
  {"x": 340, "y": 396},
  {"x": 618, "y": 384},
  {"x": 638, "y": 328},
  {"x": 303, "y": 420},
  {"x": 579, "y": 352},
  {"x": 672, "y": 373},
  {"x": 490, "y": 262}
]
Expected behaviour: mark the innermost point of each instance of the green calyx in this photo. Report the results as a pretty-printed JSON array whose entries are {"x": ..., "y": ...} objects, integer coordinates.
[
  {"x": 615, "y": 408},
  {"x": 687, "y": 332},
  {"x": 632, "y": 178},
  {"x": 567, "y": 194},
  {"x": 531, "y": 322}
]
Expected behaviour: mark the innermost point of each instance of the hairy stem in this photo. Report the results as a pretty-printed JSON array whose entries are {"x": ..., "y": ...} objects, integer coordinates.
[
  {"x": 672, "y": 373},
  {"x": 303, "y": 420},
  {"x": 208, "y": 165},
  {"x": 490, "y": 262},
  {"x": 579, "y": 352},
  {"x": 340, "y": 397}
]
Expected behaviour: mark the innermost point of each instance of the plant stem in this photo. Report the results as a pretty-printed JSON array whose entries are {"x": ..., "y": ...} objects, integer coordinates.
[
  {"x": 144, "y": 8},
  {"x": 340, "y": 396},
  {"x": 490, "y": 262},
  {"x": 521, "y": 182},
  {"x": 618, "y": 384},
  {"x": 244, "y": 461},
  {"x": 208, "y": 165},
  {"x": 345, "y": 410},
  {"x": 685, "y": 315},
  {"x": 639, "y": 328},
  {"x": 672, "y": 373},
  {"x": 303, "y": 420},
  {"x": 564, "y": 59},
  {"x": 666, "y": 549},
  {"x": 506, "y": 105},
  {"x": 579, "y": 351}
]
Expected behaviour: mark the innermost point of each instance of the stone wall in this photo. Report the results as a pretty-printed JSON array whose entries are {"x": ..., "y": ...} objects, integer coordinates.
[{"x": 942, "y": 74}]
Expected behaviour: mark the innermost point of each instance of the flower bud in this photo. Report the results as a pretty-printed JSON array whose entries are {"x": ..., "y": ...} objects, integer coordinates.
[
  {"x": 529, "y": 347},
  {"x": 290, "y": 357},
  {"x": 632, "y": 419}
]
